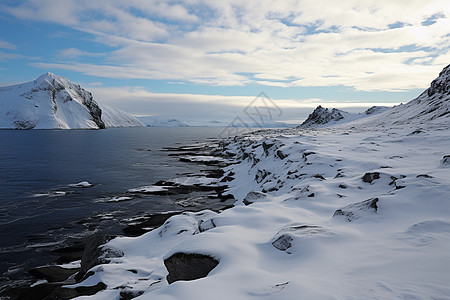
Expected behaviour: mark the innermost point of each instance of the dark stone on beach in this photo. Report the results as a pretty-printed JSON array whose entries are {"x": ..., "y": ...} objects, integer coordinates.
[
  {"x": 50, "y": 292},
  {"x": 70, "y": 253},
  {"x": 66, "y": 293},
  {"x": 93, "y": 253},
  {"x": 52, "y": 273},
  {"x": 370, "y": 177},
  {"x": 189, "y": 266}
]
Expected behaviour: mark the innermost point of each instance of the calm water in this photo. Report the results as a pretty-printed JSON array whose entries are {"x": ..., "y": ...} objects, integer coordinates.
[{"x": 37, "y": 163}]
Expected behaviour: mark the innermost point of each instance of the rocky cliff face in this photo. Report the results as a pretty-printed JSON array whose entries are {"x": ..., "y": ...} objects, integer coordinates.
[{"x": 440, "y": 85}]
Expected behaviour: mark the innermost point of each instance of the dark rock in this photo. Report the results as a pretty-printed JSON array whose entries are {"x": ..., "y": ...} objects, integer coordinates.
[
  {"x": 353, "y": 211},
  {"x": 283, "y": 242},
  {"x": 189, "y": 266},
  {"x": 306, "y": 154},
  {"x": 424, "y": 175},
  {"x": 266, "y": 147},
  {"x": 70, "y": 253},
  {"x": 446, "y": 160},
  {"x": 311, "y": 195},
  {"x": 206, "y": 225},
  {"x": 370, "y": 177},
  {"x": 342, "y": 186},
  {"x": 281, "y": 155},
  {"x": 319, "y": 176},
  {"x": 50, "y": 292},
  {"x": 94, "y": 254},
  {"x": 152, "y": 222},
  {"x": 126, "y": 294},
  {"x": 52, "y": 273}
]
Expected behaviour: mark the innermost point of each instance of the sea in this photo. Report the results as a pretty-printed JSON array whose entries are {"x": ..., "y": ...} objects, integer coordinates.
[{"x": 41, "y": 209}]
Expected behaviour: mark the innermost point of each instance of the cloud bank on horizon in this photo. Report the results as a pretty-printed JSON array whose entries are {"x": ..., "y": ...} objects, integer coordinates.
[{"x": 207, "y": 45}]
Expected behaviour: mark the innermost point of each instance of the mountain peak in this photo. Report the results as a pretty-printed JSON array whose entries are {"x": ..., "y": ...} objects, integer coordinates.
[
  {"x": 441, "y": 84},
  {"x": 321, "y": 116}
]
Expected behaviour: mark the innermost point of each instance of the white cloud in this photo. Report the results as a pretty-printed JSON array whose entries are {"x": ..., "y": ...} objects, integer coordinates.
[
  {"x": 275, "y": 43},
  {"x": 139, "y": 101},
  {"x": 7, "y": 45}
]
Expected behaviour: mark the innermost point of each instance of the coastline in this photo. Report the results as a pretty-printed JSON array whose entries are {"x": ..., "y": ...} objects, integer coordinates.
[{"x": 74, "y": 260}]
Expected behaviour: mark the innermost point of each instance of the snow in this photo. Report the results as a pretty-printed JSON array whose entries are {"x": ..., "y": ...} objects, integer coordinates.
[
  {"x": 82, "y": 184},
  {"x": 114, "y": 117},
  {"x": 53, "y": 102},
  {"x": 306, "y": 225},
  {"x": 149, "y": 189}
]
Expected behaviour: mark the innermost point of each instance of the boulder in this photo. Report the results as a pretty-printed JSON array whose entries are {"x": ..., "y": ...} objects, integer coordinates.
[
  {"x": 189, "y": 266},
  {"x": 369, "y": 177}
]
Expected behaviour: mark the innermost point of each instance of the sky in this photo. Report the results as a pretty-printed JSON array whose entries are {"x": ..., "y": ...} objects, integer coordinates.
[{"x": 200, "y": 60}]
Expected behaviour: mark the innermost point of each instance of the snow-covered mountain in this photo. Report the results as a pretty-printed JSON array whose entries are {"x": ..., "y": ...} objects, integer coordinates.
[
  {"x": 114, "y": 117},
  {"x": 53, "y": 102},
  {"x": 161, "y": 121},
  {"x": 324, "y": 117}
]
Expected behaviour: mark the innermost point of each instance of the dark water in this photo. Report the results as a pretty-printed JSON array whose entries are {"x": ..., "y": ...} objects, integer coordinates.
[{"x": 35, "y": 165}]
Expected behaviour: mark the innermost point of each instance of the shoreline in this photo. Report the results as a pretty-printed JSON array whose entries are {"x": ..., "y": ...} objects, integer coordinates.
[{"x": 75, "y": 259}]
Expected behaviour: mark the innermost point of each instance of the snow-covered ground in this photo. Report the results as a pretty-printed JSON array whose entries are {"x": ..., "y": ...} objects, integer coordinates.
[
  {"x": 359, "y": 210},
  {"x": 53, "y": 102}
]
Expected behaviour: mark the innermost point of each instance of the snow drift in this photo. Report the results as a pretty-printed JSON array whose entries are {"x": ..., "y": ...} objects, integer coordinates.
[{"x": 53, "y": 102}]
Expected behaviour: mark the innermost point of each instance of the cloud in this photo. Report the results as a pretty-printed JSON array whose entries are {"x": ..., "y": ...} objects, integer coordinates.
[
  {"x": 141, "y": 102},
  {"x": 7, "y": 45},
  {"x": 74, "y": 53},
  {"x": 369, "y": 46}
]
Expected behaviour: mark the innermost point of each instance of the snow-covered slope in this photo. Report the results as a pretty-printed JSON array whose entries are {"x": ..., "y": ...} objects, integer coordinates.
[
  {"x": 161, "y": 121},
  {"x": 432, "y": 107},
  {"x": 324, "y": 117},
  {"x": 53, "y": 102},
  {"x": 113, "y": 117}
]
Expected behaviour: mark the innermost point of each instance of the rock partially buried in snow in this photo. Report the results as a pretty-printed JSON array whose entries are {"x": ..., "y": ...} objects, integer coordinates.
[
  {"x": 355, "y": 211},
  {"x": 189, "y": 266},
  {"x": 255, "y": 196},
  {"x": 370, "y": 177},
  {"x": 445, "y": 160}
]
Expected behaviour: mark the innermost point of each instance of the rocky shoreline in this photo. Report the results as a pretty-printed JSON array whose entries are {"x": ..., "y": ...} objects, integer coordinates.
[{"x": 75, "y": 260}]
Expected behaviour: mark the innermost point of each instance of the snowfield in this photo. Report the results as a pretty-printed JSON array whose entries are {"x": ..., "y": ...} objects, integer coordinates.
[{"x": 359, "y": 210}]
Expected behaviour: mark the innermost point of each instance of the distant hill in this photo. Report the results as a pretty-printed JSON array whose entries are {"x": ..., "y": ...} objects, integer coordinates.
[{"x": 161, "y": 121}]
